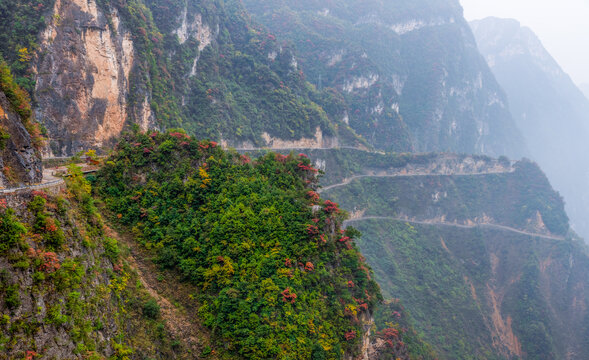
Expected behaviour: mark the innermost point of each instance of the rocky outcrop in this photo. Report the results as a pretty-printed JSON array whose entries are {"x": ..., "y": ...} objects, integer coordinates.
[
  {"x": 410, "y": 72},
  {"x": 20, "y": 162},
  {"x": 83, "y": 70}
]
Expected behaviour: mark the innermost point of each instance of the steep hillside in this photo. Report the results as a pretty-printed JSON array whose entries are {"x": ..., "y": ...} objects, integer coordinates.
[
  {"x": 477, "y": 249},
  {"x": 406, "y": 76},
  {"x": 409, "y": 72},
  {"x": 277, "y": 277},
  {"x": 93, "y": 67},
  {"x": 66, "y": 287},
  {"x": 551, "y": 111},
  {"x": 19, "y": 136}
]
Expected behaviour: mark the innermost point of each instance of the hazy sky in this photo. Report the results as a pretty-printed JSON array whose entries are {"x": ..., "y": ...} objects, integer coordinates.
[{"x": 562, "y": 25}]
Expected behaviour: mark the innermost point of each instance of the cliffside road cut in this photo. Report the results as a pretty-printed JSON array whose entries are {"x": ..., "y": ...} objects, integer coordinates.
[
  {"x": 438, "y": 223},
  {"x": 347, "y": 181},
  {"x": 50, "y": 180}
]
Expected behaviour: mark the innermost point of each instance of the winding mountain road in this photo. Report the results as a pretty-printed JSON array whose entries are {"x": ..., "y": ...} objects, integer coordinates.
[
  {"x": 304, "y": 148},
  {"x": 440, "y": 223},
  {"x": 50, "y": 180},
  {"x": 347, "y": 181}
]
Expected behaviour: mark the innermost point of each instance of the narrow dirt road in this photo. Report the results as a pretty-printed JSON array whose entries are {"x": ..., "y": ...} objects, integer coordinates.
[
  {"x": 438, "y": 223},
  {"x": 347, "y": 181}
]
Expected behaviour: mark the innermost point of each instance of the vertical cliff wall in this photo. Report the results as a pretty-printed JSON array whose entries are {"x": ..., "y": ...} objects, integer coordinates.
[
  {"x": 85, "y": 61},
  {"x": 409, "y": 71},
  {"x": 19, "y": 160}
]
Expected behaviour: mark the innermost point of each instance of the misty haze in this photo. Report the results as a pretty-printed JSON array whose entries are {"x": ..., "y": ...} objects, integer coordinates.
[{"x": 272, "y": 179}]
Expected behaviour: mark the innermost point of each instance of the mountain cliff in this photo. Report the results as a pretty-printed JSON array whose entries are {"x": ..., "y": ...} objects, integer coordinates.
[
  {"x": 67, "y": 288},
  {"x": 164, "y": 285},
  {"x": 95, "y": 67},
  {"x": 20, "y": 140},
  {"x": 551, "y": 111},
  {"x": 404, "y": 76},
  {"x": 409, "y": 71},
  {"x": 478, "y": 250},
  {"x": 177, "y": 248}
]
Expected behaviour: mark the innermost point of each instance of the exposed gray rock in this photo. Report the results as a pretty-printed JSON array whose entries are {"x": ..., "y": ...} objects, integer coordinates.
[{"x": 20, "y": 162}]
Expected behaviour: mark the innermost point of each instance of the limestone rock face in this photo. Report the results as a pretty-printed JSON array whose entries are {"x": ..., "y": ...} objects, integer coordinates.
[
  {"x": 409, "y": 71},
  {"x": 20, "y": 163},
  {"x": 83, "y": 71}
]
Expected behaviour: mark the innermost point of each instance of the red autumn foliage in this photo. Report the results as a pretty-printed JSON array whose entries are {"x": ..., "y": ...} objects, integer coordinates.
[
  {"x": 312, "y": 230},
  {"x": 323, "y": 238},
  {"x": 350, "y": 335},
  {"x": 49, "y": 260},
  {"x": 390, "y": 336},
  {"x": 30, "y": 355},
  {"x": 309, "y": 266},
  {"x": 245, "y": 159},
  {"x": 39, "y": 193},
  {"x": 179, "y": 135},
  {"x": 313, "y": 196},
  {"x": 302, "y": 166},
  {"x": 280, "y": 158},
  {"x": 288, "y": 262},
  {"x": 303, "y": 155},
  {"x": 289, "y": 297},
  {"x": 330, "y": 207},
  {"x": 351, "y": 284},
  {"x": 50, "y": 225},
  {"x": 3, "y": 204},
  {"x": 344, "y": 239}
]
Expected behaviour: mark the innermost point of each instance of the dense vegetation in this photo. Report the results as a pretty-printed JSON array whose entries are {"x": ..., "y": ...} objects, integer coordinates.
[
  {"x": 400, "y": 88},
  {"x": 411, "y": 264},
  {"x": 22, "y": 21},
  {"x": 279, "y": 279},
  {"x": 392, "y": 323},
  {"x": 20, "y": 103},
  {"x": 449, "y": 277},
  {"x": 66, "y": 288},
  {"x": 235, "y": 89},
  {"x": 512, "y": 199}
]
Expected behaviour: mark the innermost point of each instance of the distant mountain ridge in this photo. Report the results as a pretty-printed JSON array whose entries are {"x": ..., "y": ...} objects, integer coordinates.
[
  {"x": 550, "y": 110},
  {"x": 585, "y": 89},
  {"x": 409, "y": 72}
]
